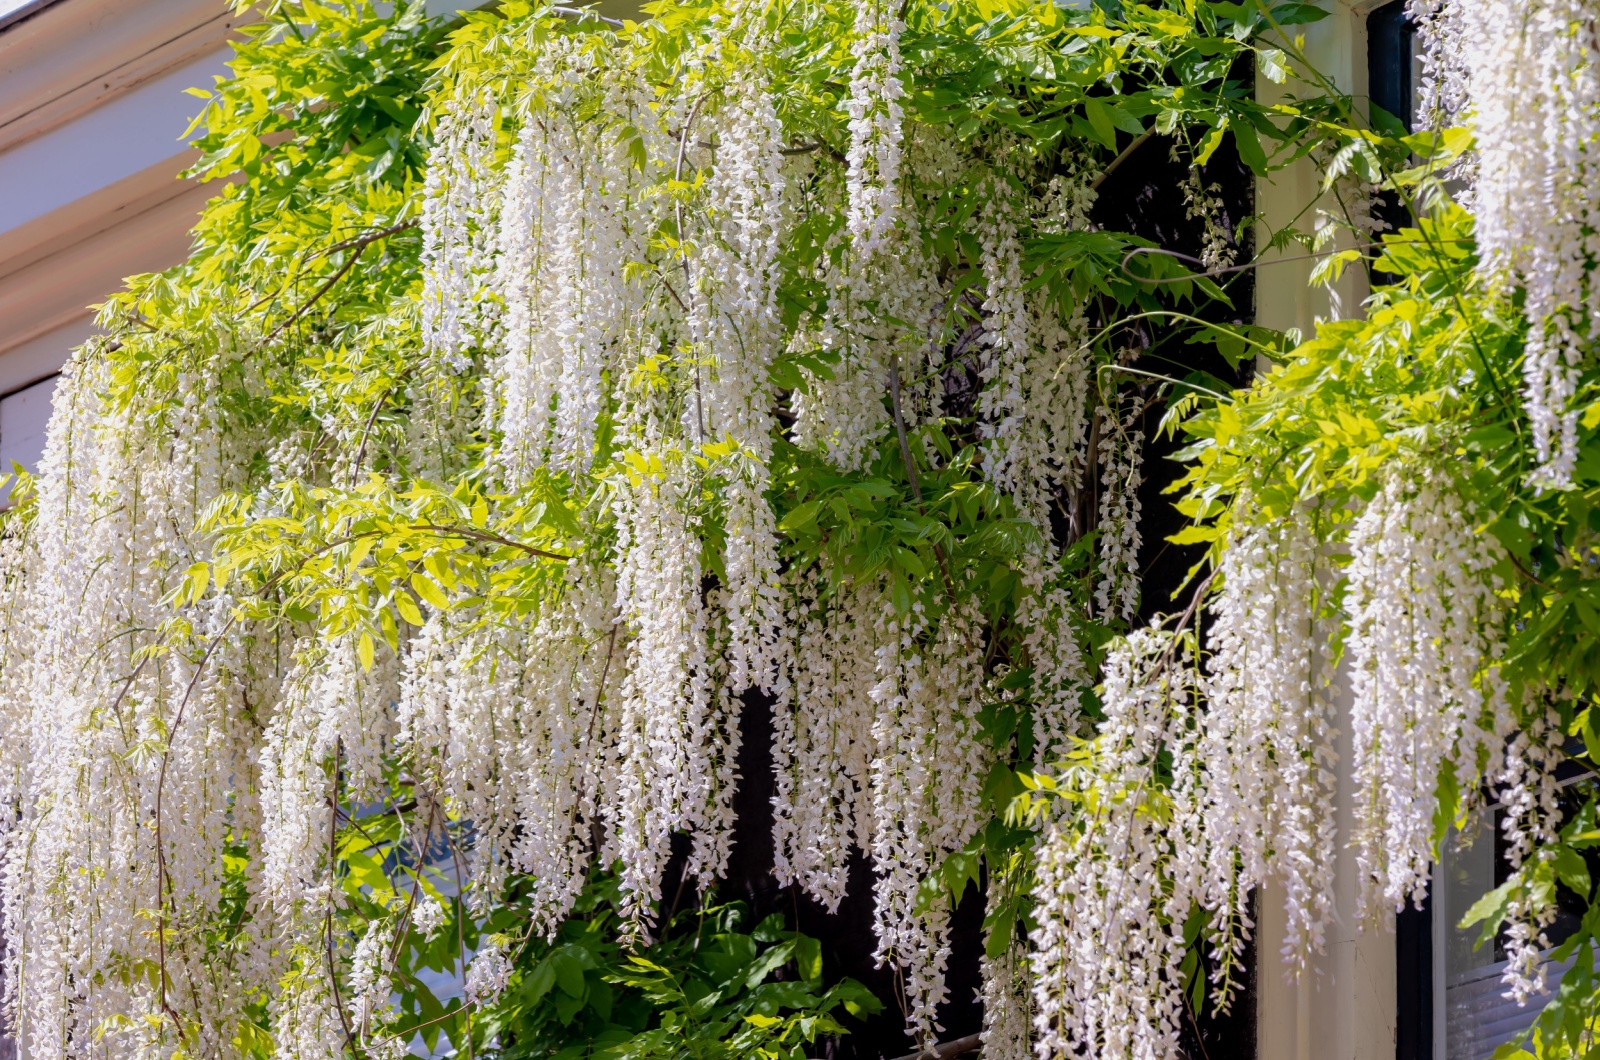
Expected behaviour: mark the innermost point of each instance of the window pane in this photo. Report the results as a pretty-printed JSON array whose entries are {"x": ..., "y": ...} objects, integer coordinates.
[
  {"x": 24, "y": 415},
  {"x": 1478, "y": 1017}
]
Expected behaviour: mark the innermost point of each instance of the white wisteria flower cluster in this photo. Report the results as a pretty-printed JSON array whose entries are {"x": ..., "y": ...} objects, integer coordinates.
[
  {"x": 1424, "y": 645},
  {"x": 131, "y": 745},
  {"x": 593, "y": 728},
  {"x": 876, "y": 742},
  {"x": 1121, "y": 866},
  {"x": 1525, "y": 77},
  {"x": 604, "y": 265},
  {"x": 1176, "y": 810},
  {"x": 1268, "y": 745}
]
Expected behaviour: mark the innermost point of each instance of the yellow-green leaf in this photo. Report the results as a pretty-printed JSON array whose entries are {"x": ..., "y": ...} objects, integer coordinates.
[
  {"x": 408, "y": 609},
  {"x": 429, "y": 590}
]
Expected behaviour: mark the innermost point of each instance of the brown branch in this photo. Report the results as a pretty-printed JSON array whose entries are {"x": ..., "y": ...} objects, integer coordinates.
[
  {"x": 1127, "y": 152},
  {"x": 414, "y": 1028},
  {"x": 343, "y": 244},
  {"x": 1259, "y": 263},
  {"x": 127, "y": 683},
  {"x": 581, "y": 13},
  {"x": 1524, "y": 571},
  {"x": 488, "y": 538},
  {"x": 674, "y": 293},
  {"x": 366, "y": 431},
  {"x": 1183, "y": 620},
  {"x": 971, "y": 1043},
  {"x": 826, "y": 148},
  {"x": 327, "y": 918},
  {"x": 411, "y": 901},
  {"x": 683, "y": 254},
  {"x": 357, "y": 246}
]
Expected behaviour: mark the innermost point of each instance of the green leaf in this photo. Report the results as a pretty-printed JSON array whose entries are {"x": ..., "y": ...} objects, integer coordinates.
[
  {"x": 537, "y": 983},
  {"x": 1273, "y": 66},
  {"x": 1001, "y": 927},
  {"x": 1209, "y": 145},
  {"x": 1099, "y": 115},
  {"x": 1490, "y": 910},
  {"x": 568, "y": 973},
  {"x": 800, "y": 517},
  {"x": 1250, "y": 153},
  {"x": 408, "y": 608},
  {"x": 1572, "y": 871},
  {"x": 1298, "y": 14},
  {"x": 808, "y": 958}
]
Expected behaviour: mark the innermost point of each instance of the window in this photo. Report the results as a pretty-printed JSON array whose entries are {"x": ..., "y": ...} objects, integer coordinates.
[
  {"x": 1392, "y": 75},
  {"x": 1391, "y": 61},
  {"x": 24, "y": 415},
  {"x": 1451, "y": 1003}
]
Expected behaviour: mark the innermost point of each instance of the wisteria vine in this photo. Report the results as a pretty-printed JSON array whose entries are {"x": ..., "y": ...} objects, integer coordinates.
[{"x": 745, "y": 356}]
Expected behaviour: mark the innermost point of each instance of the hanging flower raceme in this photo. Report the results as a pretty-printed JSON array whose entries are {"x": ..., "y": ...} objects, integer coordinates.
[
  {"x": 1425, "y": 643},
  {"x": 1050, "y": 645},
  {"x": 457, "y": 218},
  {"x": 735, "y": 313},
  {"x": 1036, "y": 371},
  {"x": 1528, "y": 793},
  {"x": 1268, "y": 746},
  {"x": 569, "y": 223},
  {"x": 126, "y": 725},
  {"x": 923, "y": 804},
  {"x": 1007, "y": 1004},
  {"x": 671, "y": 756},
  {"x": 823, "y": 744},
  {"x": 1526, "y": 78},
  {"x": 663, "y": 296},
  {"x": 505, "y": 727},
  {"x": 876, "y": 132},
  {"x": 1116, "y": 592},
  {"x": 1119, "y": 871}
]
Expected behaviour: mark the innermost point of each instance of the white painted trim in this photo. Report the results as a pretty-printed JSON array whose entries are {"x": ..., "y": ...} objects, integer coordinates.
[
  {"x": 14, "y": 11},
  {"x": 57, "y": 289},
  {"x": 133, "y": 133},
  {"x": 78, "y": 55},
  {"x": 43, "y": 356}
]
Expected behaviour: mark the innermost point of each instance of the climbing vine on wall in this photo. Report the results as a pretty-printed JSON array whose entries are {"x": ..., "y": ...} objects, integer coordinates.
[{"x": 538, "y": 392}]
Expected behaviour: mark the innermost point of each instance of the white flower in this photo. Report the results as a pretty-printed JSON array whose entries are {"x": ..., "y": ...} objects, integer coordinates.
[
  {"x": 1525, "y": 74},
  {"x": 1118, "y": 874},
  {"x": 1424, "y": 645},
  {"x": 369, "y": 984},
  {"x": 1268, "y": 743},
  {"x": 1532, "y": 824},
  {"x": 457, "y": 209},
  {"x": 873, "y": 177},
  {"x": 1116, "y": 593},
  {"x": 428, "y": 915},
  {"x": 489, "y": 973}
]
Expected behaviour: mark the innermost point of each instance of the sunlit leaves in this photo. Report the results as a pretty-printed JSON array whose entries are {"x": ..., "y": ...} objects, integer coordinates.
[{"x": 357, "y": 560}]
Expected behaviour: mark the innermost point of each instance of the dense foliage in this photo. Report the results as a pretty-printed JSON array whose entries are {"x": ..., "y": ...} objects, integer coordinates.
[{"x": 543, "y": 390}]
